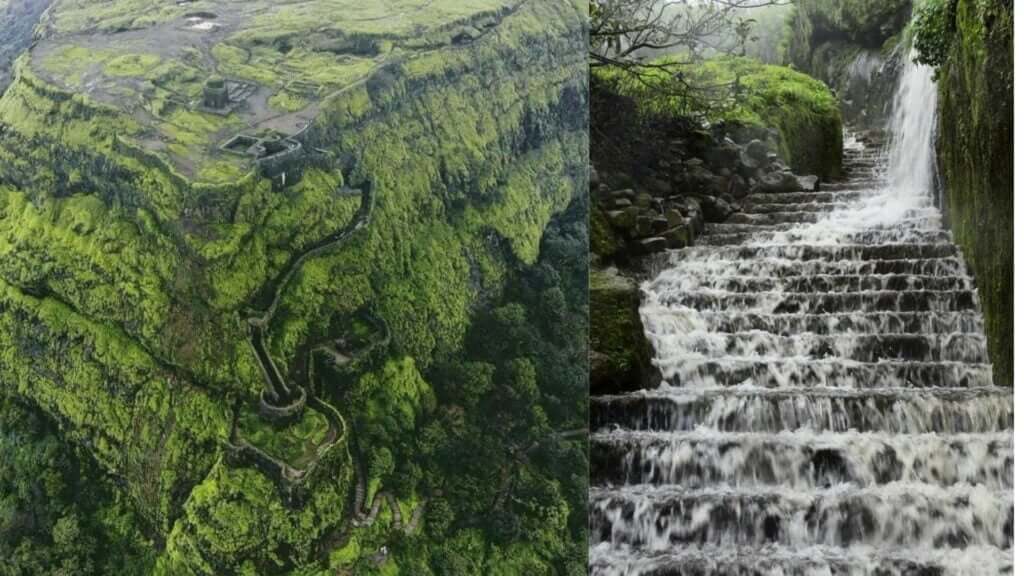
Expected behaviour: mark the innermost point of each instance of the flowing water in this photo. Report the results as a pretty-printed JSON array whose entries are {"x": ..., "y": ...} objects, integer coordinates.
[{"x": 827, "y": 405}]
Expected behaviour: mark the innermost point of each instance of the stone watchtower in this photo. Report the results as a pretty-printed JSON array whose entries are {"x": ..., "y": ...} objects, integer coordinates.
[{"x": 215, "y": 93}]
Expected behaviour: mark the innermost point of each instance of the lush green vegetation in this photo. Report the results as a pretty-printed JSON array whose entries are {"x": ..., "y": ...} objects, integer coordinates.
[
  {"x": 58, "y": 515},
  {"x": 745, "y": 91},
  {"x": 975, "y": 156},
  {"x": 498, "y": 449},
  {"x": 295, "y": 443},
  {"x": 934, "y": 27},
  {"x": 127, "y": 262}
]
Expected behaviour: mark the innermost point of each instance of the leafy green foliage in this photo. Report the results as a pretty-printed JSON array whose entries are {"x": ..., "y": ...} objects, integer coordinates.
[
  {"x": 748, "y": 92},
  {"x": 130, "y": 250},
  {"x": 54, "y": 518},
  {"x": 933, "y": 27}
]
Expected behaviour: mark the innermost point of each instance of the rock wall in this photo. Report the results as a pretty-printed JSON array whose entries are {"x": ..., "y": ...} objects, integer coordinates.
[
  {"x": 976, "y": 160},
  {"x": 851, "y": 45}
]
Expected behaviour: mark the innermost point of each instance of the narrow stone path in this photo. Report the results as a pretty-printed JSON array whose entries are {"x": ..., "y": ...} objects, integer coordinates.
[{"x": 827, "y": 404}]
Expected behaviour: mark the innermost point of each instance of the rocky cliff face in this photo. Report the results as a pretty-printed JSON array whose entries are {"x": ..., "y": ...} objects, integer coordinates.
[
  {"x": 355, "y": 167},
  {"x": 851, "y": 45},
  {"x": 976, "y": 159}
]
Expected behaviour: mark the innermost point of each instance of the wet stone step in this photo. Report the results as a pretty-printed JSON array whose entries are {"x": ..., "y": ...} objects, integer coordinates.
[
  {"x": 776, "y": 218},
  {"x": 825, "y": 283},
  {"x": 969, "y": 348},
  {"x": 825, "y": 303},
  {"x": 805, "y": 197},
  {"x": 808, "y": 207},
  {"x": 872, "y": 323},
  {"x": 930, "y": 222},
  {"x": 781, "y": 268},
  {"x": 812, "y": 252},
  {"x": 873, "y": 237},
  {"x": 860, "y": 172},
  {"x": 849, "y": 185},
  {"x": 806, "y": 217},
  {"x": 801, "y": 461},
  {"x": 898, "y": 514},
  {"x": 803, "y": 373},
  {"x": 890, "y": 411},
  {"x": 803, "y": 561}
]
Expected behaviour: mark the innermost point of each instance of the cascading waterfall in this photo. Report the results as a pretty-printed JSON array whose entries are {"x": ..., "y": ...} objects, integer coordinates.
[
  {"x": 911, "y": 153},
  {"x": 827, "y": 405}
]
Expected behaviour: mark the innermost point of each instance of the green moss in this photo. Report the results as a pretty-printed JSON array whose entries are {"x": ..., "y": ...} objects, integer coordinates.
[
  {"x": 131, "y": 64},
  {"x": 237, "y": 521},
  {"x": 975, "y": 155},
  {"x": 801, "y": 108},
  {"x": 617, "y": 334},
  {"x": 295, "y": 443},
  {"x": 604, "y": 242}
]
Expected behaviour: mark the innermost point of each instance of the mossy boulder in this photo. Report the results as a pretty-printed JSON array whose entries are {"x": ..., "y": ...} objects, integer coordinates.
[
  {"x": 801, "y": 108},
  {"x": 620, "y": 353},
  {"x": 604, "y": 242},
  {"x": 975, "y": 150}
]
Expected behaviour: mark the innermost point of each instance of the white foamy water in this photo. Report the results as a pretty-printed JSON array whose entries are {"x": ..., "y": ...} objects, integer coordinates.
[{"x": 827, "y": 405}]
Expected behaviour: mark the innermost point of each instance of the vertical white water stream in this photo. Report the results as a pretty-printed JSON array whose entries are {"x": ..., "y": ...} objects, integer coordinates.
[
  {"x": 911, "y": 152},
  {"x": 827, "y": 405}
]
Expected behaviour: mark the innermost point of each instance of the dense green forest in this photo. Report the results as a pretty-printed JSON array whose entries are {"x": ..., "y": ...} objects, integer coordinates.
[{"x": 293, "y": 288}]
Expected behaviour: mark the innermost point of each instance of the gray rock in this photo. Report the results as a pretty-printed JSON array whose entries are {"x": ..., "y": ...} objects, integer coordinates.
[
  {"x": 738, "y": 187},
  {"x": 595, "y": 178},
  {"x": 808, "y": 183},
  {"x": 757, "y": 150},
  {"x": 725, "y": 154},
  {"x": 659, "y": 187},
  {"x": 644, "y": 226},
  {"x": 623, "y": 219},
  {"x": 721, "y": 185},
  {"x": 715, "y": 209},
  {"x": 748, "y": 165},
  {"x": 659, "y": 224},
  {"x": 777, "y": 182},
  {"x": 621, "y": 203},
  {"x": 624, "y": 193},
  {"x": 651, "y": 245},
  {"x": 691, "y": 207},
  {"x": 693, "y": 162},
  {"x": 679, "y": 236},
  {"x": 700, "y": 179}
]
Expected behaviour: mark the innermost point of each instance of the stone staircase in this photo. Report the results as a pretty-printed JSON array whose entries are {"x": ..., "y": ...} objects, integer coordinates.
[{"x": 827, "y": 405}]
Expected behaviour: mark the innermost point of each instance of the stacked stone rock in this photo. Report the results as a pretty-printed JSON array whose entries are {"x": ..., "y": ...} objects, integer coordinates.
[{"x": 687, "y": 192}]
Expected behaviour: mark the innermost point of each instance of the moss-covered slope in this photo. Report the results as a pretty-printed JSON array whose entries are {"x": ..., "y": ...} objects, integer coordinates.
[
  {"x": 748, "y": 92},
  {"x": 976, "y": 158},
  {"x": 133, "y": 247}
]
